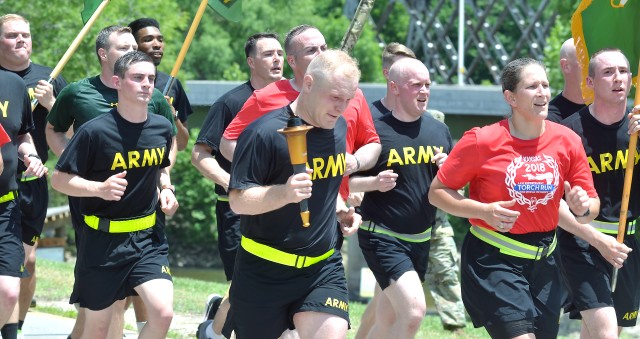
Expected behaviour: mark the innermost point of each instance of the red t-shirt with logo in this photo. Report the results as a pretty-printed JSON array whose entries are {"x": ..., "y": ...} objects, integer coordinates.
[
  {"x": 360, "y": 128},
  {"x": 500, "y": 167}
]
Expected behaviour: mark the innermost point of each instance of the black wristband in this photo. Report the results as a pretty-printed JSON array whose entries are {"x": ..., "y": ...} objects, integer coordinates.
[
  {"x": 169, "y": 187},
  {"x": 33, "y": 155},
  {"x": 586, "y": 214}
]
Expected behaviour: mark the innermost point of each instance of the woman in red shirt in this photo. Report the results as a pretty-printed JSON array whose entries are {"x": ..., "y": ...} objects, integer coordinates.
[{"x": 517, "y": 171}]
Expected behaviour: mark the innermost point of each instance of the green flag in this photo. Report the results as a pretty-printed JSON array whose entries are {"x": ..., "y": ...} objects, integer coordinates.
[
  {"x": 90, "y": 6},
  {"x": 598, "y": 24},
  {"x": 229, "y": 9}
]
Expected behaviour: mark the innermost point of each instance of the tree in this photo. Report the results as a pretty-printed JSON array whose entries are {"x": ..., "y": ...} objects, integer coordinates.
[
  {"x": 54, "y": 25},
  {"x": 220, "y": 43},
  {"x": 560, "y": 32}
]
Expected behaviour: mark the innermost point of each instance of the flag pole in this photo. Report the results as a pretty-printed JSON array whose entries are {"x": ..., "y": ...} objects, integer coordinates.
[
  {"x": 185, "y": 46},
  {"x": 357, "y": 23},
  {"x": 73, "y": 47},
  {"x": 626, "y": 189}
]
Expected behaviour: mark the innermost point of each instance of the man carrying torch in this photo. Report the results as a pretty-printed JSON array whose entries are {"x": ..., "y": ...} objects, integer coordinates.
[{"x": 289, "y": 276}]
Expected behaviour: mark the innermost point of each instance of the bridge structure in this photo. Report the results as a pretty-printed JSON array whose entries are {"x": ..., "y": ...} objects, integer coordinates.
[{"x": 476, "y": 43}]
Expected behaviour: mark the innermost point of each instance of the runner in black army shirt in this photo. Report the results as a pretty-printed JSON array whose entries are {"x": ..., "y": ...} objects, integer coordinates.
[
  {"x": 398, "y": 217},
  {"x": 150, "y": 41},
  {"x": 604, "y": 129},
  {"x": 117, "y": 165},
  {"x": 15, "y": 56},
  {"x": 88, "y": 98},
  {"x": 265, "y": 59},
  {"x": 16, "y": 119},
  {"x": 288, "y": 276}
]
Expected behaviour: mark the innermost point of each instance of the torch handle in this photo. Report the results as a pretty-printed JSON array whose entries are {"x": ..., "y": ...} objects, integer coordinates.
[{"x": 304, "y": 204}]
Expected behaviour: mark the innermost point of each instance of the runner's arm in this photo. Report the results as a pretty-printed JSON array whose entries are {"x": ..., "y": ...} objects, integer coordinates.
[
  {"x": 227, "y": 148},
  {"x": 614, "y": 252},
  {"x": 57, "y": 141},
  {"x": 263, "y": 199},
  {"x": 208, "y": 166}
]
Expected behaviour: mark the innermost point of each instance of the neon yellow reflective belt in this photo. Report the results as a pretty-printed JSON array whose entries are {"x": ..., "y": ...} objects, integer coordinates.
[
  {"x": 612, "y": 227},
  {"x": 512, "y": 247},
  {"x": 120, "y": 226},
  {"x": 8, "y": 197},
  {"x": 25, "y": 178},
  {"x": 377, "y": 228},
  {"x": 223, "y": 198},
  {"x": 280, "y": 257}
]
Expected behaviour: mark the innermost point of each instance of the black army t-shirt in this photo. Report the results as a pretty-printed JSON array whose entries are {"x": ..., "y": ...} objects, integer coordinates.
[
  {"x": 177, "y": 96},
  {"x": 408, "y": 149},
  {"x": 606, "y": 148},
  {"x": 31, "y": 75},
  {"x": 561, "y": 108},
  {"x": 16, "y": 119},
  {"x": 261, "y": 158},
  {"x": 219, "y": 117},
  {"x": 108, "y": 145}
]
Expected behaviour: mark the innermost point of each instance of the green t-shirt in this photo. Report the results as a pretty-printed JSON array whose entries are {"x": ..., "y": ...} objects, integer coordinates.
[{"x": 88, "y": 98}]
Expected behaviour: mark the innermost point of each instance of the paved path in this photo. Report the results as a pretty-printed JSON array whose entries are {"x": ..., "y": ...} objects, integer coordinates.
[{"x": 48, "y": 326}]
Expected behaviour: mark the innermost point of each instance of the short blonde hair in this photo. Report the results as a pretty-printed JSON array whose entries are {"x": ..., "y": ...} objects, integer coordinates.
[
  {"x": 11, "y": 17},
  {"x": 331, "y": 63}
]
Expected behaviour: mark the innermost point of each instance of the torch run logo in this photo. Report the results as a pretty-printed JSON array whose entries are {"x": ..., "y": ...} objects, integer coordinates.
[{"x": 532, "y": 180}]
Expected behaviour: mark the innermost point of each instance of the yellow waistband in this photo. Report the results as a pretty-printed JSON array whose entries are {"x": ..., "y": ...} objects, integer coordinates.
[
  {"x": 612, "y": 227},
  {"x": 120, "y": 226},
  {"x": 513, "y": 247},
  {"x": 223, "y": 198},
  {"x": 25, "y": 178},
  {"x": 280, "y": 257},
  {"x": 379, "y": 228},
  {"x": 8, "y": 197}
]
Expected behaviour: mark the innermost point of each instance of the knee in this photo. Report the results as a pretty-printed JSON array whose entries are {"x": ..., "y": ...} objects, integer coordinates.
[
  {"x": 30, "y": 262},
  {"x": 9, "y": 296},
  {"x": 415, "y": 315},
  {"x": 164, "y": 316}
]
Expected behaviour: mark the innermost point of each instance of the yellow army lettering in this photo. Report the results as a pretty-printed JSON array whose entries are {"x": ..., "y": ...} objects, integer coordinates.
[
  {"x": 3, "y": 107},
  {"x": 333, "y": 166},
  {"x": 34, "y": 239},
  {"x": 606, "y": 159},
  {"x": 32, "y": 93},
  {"x": 630, "y": 315},
  {"x": 408, "y": 157},
  {"x": 335, "y": 303},
  {"x": 150, "y": 157},
  {"x": 166, "y": 269}
]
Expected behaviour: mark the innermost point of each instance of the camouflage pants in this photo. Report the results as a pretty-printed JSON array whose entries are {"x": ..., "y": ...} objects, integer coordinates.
[{"x": 443, "y": 278}]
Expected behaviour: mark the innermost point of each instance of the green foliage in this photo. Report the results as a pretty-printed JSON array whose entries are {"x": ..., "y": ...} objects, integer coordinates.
[
  {"x": 56, "y": 23},
  {"x": 220, "y": 44},
  {"x": 195, "y": 219},
  {"x": 395, "y": 25}
]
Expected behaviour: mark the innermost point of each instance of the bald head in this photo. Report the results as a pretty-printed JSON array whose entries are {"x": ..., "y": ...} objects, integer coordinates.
[
  {"x": 410, "y": 87},
  {"x": 405, "y": 68},
  {"x": 571, "y": 72},
  {"x": 568, "y": 50}
]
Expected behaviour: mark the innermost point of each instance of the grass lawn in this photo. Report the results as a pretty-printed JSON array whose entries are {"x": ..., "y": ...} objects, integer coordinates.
[{"x": 55, "y": 282}]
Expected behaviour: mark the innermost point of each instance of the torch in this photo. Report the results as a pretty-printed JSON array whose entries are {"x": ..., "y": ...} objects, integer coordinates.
[{"x": 296, "y": 134}]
